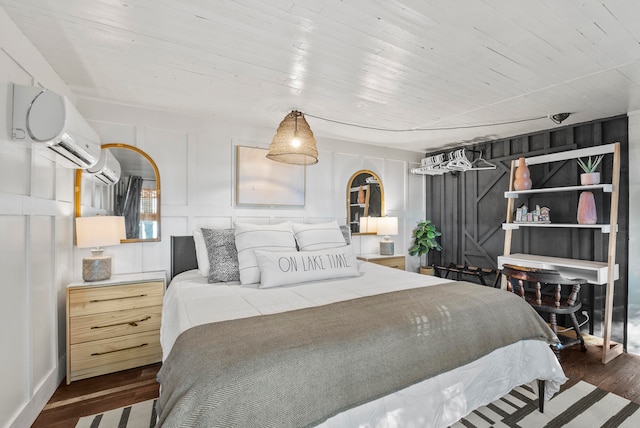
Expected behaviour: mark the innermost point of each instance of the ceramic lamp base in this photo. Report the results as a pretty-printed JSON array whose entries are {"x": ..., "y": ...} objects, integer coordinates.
[
  {"x": 96, "y": 268},
  {"x": 386, "y": 248}
]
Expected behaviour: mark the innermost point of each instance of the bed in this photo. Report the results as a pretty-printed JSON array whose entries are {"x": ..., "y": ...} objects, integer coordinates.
[{"x": 383, "y": 348}]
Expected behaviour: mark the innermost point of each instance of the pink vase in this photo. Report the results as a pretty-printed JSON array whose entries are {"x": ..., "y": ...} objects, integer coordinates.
[
  {"x": 523, "y": 177},
  {"x": 587, "y": 209}
]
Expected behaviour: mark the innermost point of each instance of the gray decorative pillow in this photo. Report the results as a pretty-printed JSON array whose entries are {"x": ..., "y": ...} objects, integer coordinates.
[
  {"x": 223, "y": 256},
  {"x": 346, "y": 232}
]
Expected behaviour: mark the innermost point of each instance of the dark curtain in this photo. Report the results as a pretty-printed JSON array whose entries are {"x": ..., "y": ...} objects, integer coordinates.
[{"x": 129, "y": 207}]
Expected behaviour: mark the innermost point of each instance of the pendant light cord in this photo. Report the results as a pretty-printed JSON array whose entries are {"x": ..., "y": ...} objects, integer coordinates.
[{"x": 447, "y": 128}]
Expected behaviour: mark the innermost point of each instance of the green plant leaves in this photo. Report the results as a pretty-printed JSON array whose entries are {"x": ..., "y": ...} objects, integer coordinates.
[
  {"x": 591, "y": 165},
  {"x": 424, "y": 238}
]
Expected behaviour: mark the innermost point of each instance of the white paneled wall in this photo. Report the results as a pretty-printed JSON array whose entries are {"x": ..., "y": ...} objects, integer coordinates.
[
  {"x": 196, "y": 159},
  {"x": 197, "y": 164},
  {"x": 36, "y": 240},
  {"x": 415, "y": 200},
  {"x": 14, "y": 369},
  {"x": 41, "y": 296},
  {"x": 35, "y": 249}
]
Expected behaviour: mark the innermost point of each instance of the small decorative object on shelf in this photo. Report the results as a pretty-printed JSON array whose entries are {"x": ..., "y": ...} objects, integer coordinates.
[
  {"x": 523, "y": 177},
  {"x": 589, "y": 174},
  {"x": 361, "y": 195},
  {"x": 587, "y": 209},
  {"x": 539, "y": 215}
]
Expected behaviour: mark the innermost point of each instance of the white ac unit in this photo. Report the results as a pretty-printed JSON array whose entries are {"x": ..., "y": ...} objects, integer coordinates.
[
  {"x": 44, "y": 117},
  {"x": 107, "y": 170}
]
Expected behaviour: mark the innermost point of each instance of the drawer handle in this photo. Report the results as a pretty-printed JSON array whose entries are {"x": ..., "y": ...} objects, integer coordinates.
[
  {"x": 131, "y": 323},
  {"x": 117, "y": 298},
  {"x": 95, "y": 354}
]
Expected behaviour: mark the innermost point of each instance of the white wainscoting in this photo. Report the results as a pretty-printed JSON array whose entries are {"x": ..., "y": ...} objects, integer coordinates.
[
  {"x": 196, "y": 160},
  {"x": 36, "y": 207}
]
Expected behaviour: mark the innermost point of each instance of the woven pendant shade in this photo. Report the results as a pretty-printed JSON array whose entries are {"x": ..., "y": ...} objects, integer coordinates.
[{"x": 282, "y": 150}]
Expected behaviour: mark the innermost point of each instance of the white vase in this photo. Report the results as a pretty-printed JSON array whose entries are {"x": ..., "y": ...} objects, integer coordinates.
[{"x": 588, "y": 178}]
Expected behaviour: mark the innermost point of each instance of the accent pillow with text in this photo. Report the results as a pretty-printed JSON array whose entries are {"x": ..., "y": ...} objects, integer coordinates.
[{"x": 284, "y": 268}]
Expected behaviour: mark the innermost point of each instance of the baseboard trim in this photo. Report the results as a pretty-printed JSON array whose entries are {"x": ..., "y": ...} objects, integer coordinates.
[{"x": 32, "y": 408}]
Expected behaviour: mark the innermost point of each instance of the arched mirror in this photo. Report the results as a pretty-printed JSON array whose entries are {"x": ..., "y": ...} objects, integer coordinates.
[
  {"x": 136, "y": 195},
  {"x": 365, "y": 202}
]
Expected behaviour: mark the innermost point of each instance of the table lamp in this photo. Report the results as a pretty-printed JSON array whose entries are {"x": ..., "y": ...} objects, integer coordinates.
[
  {"x": 368, "y": 224},
  {"x": 98, "y": 231},
  {"x": 387, "y": 226}
]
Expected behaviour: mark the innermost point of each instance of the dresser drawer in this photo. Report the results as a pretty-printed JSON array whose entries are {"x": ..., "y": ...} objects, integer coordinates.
[
  {"x": 394, "y": 262},
  {"x": 114, "y": 354},
  {"x": 95, "y": 300},
  {"x": 111, "y": 324}
]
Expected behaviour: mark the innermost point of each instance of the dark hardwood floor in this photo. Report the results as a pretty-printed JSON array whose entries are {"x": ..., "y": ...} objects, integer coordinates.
[
  {"x": 98, "y": 394},
  {"x": 90, "y": 396}
]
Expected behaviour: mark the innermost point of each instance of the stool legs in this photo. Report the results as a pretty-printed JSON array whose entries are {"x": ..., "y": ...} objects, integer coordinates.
[
  {"x": 576, "y": 328},
  {"x": 554, "y": 326}
]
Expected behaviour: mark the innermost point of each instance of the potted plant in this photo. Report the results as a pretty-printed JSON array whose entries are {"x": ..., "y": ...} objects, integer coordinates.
[
  {"x": 589, "y": 174},
  {"x": 424, "y": 240}
]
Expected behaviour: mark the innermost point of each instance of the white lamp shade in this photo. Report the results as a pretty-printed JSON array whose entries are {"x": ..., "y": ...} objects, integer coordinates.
[
  {"x": 99, "y": 231},
  {"x": 368, "y": 224},
  {"x": 387, "y": 226}
]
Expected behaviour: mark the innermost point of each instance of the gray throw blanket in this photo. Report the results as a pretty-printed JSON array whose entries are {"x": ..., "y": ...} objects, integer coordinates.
[{"x": 298, "y": 368}]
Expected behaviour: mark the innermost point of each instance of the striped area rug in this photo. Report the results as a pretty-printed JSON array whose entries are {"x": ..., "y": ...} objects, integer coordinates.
[
  {"x": 581, "y": 406},
  {"x": 139, "y": 415}
]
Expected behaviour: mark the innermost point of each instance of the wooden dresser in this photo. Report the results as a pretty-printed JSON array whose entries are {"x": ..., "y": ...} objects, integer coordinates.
[
  {"x": 114, "y": 325},
  {"x": 396, "y": 261}
]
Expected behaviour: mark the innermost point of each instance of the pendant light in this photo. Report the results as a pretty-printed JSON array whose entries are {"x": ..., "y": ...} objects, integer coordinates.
[{"x": 294, "y": 142}]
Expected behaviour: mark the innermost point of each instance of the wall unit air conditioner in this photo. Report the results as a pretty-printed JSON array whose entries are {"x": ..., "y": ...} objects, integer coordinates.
[
  {"x": 50, "y": 120},
  {"x": 107, "y": 170}
]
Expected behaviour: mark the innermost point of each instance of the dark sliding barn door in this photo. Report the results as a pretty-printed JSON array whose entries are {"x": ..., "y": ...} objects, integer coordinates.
[{"x": 469, "y": 208}]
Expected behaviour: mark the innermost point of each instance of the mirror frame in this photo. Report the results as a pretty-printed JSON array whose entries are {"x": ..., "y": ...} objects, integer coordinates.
[
  {"x": 349, "y": 185},
  {"x": 78, "y": 188}
]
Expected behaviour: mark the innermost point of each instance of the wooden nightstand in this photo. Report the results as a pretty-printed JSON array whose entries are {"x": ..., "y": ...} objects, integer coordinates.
[
  {"x": 395, "y": 261},
  {"x": 114, "y": 325}
]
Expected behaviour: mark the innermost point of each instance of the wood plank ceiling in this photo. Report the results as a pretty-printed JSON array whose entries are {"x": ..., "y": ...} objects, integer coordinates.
[{"x": 445, "y": 66}]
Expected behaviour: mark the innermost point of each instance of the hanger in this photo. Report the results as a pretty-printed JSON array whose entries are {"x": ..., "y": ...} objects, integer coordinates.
[
  {"x": 433, "y": 165},
  {"x": 480, "y": 164},
  {"x": 458, "y": 161}
]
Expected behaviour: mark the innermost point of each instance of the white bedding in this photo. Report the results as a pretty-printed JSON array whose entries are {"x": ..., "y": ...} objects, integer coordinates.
[{"x": 437, "y": 402}]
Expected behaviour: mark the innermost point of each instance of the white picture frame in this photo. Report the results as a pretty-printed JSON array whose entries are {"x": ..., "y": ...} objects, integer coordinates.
[{"x": 263, "y": 182}]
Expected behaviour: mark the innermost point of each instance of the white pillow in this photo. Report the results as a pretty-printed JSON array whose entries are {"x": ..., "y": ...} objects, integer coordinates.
[
  {"x": 283, "y": 268},
  {"x": 318, "y": 236},
  {"x": 276, "y": 237},
  {"x": 201, "y": 253}
]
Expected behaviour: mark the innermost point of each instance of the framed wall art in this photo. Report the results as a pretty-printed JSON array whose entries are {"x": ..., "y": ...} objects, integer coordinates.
[{"x": 261, "y": 181}]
